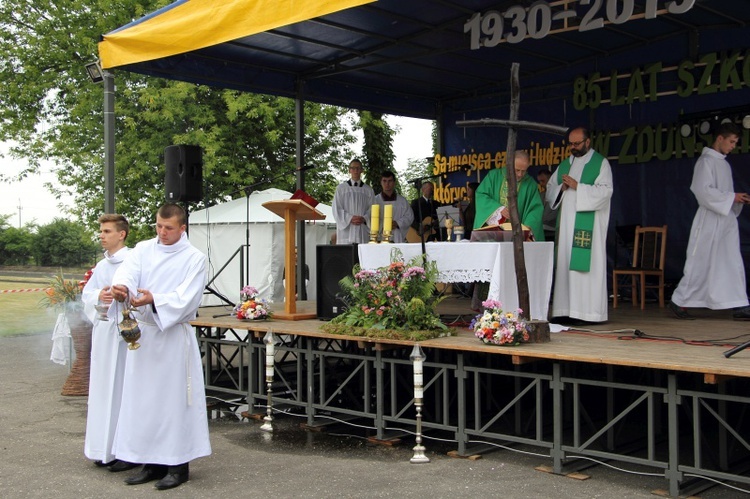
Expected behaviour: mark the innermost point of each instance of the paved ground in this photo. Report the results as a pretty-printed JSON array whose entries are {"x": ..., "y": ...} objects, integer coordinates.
[{"x": 41, "y": 437}]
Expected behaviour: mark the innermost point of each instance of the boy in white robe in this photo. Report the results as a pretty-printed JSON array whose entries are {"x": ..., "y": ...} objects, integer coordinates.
[
  {"x": 581, "y": 294},
  {"x": 351, "y": 207},
  {"x": 163, "y": 420},
  {"x": 107, "y": 348},
  {"x": 402, "y": 215},
  {"x": 714, "y": 275}
]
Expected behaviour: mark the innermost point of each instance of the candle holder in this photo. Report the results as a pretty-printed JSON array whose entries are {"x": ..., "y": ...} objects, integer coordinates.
[
  {"x": 418, "y": 357},
  {"x": 268, "y": 339},
  {"x": 374, "y": 237},
  {"x": 387, "y": 237}
]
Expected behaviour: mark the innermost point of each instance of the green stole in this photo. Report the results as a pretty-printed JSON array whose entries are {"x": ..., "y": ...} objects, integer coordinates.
[
  {"x": 504, "y": 188},
  {"x": 583, "y": 227}
]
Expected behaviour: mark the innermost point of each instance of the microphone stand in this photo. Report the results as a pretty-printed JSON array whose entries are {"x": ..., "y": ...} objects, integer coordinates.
[
  {"x": 418, "y": 186},
  {"x": 245, "y": 260},
  {"x": 737, "y": 349}
]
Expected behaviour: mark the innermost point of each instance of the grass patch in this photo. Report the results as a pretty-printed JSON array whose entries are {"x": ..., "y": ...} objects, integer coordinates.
[{"x": 20, "y": 313}]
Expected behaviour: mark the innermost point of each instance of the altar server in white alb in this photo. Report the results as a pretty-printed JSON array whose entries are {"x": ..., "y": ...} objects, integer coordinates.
[
  {"x": 714, "y": 275},
  {"x": 107, "y": 348},
  {"x": 163, "y": 421},
  {"x": 581, "y": 190},
  {"x": 351, "y": 207},
  {"x": 402, "y": 215}
]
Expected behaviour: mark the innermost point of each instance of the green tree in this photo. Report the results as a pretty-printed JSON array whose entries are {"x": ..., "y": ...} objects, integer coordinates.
[
  {"x": 53, "y": 112},
  {"x": 63, "y": 243},
  {"x": 15, "y": 243},
  {"x": 15, "y": 246},
  {"x": 416, "y": 168},
  {"x": 377, "y": 149}
]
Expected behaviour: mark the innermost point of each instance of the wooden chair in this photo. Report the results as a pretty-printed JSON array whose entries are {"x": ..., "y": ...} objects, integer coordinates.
[{"x": 649, "y": 254}]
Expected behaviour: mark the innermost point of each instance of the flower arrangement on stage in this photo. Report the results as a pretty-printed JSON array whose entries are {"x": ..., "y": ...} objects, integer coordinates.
[
  {"x": 497, "y": 327},
  {"x": 397, "y": 301},
  {"x": 251, "y": 307}
]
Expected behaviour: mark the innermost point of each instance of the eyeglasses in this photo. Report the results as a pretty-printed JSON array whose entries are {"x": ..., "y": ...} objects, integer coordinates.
[{"x": 576, "y": 144}]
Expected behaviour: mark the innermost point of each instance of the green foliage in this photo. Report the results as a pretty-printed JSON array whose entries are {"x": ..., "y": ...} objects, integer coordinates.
[
  {"x": 15, "y": 246},
  {"x": 416, "y": 168},
  {"x": 52, "y": 112},
  {"x": 63, "y": 243},
  {"x": 397, "y": 297},
  {"x": 377, "y": 150}
]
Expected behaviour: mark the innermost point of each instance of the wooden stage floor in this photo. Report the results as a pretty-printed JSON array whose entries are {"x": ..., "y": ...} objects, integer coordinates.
[
  {"x": 644, "y": 388},
  {"x": 650, "y": 338}
]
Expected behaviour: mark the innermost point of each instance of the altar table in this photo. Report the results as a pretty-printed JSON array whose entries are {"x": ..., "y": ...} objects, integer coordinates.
[{"x": 479, "y": 261}]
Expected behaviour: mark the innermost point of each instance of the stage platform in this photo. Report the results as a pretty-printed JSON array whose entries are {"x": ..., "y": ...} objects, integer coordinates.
[{"x": 643, "y": 389}]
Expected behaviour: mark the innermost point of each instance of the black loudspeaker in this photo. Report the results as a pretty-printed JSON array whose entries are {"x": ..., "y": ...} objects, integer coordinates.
[
  {"x": 333, "y": 264},
  {"x": 183, "y": 180}
]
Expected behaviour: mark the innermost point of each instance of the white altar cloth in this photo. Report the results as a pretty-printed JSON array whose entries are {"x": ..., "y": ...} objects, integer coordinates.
[{"x": 479, "y": 261}]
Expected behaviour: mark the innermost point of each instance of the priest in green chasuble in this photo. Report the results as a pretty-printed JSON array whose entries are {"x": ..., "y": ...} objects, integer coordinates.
[
  {"x": 492, "y": 198},
  {"x": 581, "y": 190}
]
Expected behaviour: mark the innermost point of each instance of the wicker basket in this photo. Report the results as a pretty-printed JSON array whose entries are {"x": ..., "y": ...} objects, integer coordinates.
[{"x": 77, "y": 383}]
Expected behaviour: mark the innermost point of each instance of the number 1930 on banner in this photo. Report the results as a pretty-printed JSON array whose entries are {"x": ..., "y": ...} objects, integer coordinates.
[{"x": 539, "y": 20}]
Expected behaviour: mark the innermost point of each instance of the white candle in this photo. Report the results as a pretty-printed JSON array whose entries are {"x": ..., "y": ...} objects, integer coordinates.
[
  {"x": 375, "y": 218},
  {"x": 269, "y": 359},
  {"x": 418, "y": 380}
]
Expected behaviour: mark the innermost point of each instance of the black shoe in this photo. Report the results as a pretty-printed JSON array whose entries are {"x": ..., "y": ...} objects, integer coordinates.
[
  {"x": 118, "y": 466},
  {"x": 568, "y": 321},
  {"x": 148, "y": 473},
  {"x": 680, "y": 312},
  {"x": 176, "y": 475},
  {"x": 741, "y": 314},
  {"x": 102, "y": 464}
]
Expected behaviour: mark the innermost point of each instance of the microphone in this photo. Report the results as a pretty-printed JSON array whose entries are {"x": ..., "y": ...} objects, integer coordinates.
[{"x": 304, "y": 168}]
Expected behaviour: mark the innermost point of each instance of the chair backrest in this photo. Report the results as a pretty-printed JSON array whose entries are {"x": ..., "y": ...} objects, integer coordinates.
[{"x": 650, "y": 249}]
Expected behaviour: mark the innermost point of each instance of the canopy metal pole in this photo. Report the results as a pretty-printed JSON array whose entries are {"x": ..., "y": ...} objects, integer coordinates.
[
  {"x": 109, "y": 141},
  {"x": 299, "y": 108}
]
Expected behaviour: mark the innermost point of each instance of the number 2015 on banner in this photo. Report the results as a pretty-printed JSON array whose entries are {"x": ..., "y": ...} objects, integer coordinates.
[{"x": 490, "y": 29}]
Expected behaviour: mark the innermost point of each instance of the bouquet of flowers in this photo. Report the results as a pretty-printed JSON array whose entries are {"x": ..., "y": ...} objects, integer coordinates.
[
  {"x": 499, "y": 328},
  {"x": 399, "y": 296},
  {"x": 64, "y": 294},
  {"x": 251, "y": 307}
]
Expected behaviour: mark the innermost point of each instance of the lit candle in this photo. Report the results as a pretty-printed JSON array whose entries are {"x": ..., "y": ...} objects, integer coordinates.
[
  {"x": 375, "y": 218},
  {"x": 388, "y": 218}
]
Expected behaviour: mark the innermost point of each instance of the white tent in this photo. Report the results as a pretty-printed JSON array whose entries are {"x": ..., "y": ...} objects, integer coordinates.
[{"x": 221, "y": 232}]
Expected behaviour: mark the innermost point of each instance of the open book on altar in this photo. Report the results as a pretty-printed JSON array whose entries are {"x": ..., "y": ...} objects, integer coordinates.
[
  {"x": 499, "y": 233},
  {"x": 496, "y": 218}
]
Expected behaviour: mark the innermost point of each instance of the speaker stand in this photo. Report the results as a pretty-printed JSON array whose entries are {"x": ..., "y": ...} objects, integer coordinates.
[{"x": 209, "y": 290}]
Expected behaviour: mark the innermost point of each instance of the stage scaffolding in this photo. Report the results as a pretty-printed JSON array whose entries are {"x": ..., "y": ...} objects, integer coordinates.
[{"x": 576, "y": 413}]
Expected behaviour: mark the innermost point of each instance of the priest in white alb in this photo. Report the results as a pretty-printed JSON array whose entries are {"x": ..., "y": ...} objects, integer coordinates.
[
  {"x": 107, "y": 348},
  {"x": 351, "y": 207},
  {"x": 163, "y": 421},
  {"x": 581, "y": 190}
]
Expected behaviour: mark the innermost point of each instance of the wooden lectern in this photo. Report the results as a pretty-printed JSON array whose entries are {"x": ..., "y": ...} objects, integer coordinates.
[{"x": 292, "y": 210}]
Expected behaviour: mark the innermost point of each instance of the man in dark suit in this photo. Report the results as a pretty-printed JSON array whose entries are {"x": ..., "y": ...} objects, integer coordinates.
[{"x": 424, "y": 207}]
